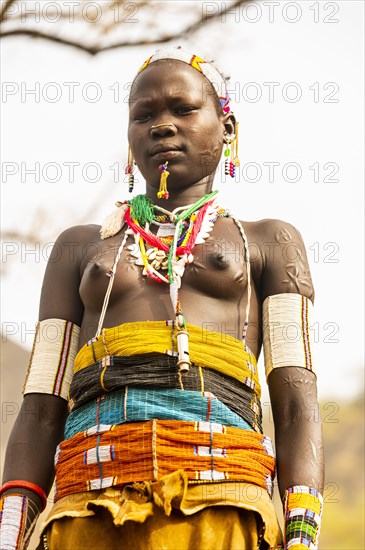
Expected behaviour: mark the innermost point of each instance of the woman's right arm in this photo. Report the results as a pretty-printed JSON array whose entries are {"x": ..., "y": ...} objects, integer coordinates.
[{"x": 40, "y": 423}]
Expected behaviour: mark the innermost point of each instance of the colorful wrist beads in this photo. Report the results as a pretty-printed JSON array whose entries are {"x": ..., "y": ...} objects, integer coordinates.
[{"x": 302, "y": 515}]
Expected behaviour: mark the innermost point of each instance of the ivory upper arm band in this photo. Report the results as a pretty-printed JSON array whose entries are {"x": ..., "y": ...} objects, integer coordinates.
[
  {"x": 51, "y": 362},
  {"x": 287, "y": 319}
]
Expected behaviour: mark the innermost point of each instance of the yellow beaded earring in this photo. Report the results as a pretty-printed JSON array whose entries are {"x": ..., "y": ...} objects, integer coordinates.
[{"x": 163, "y": 192}]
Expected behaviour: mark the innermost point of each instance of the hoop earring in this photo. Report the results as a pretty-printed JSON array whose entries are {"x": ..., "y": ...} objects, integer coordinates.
[
  {"x": 231, "y": 153},
  {"x": 129, "y": 170}
]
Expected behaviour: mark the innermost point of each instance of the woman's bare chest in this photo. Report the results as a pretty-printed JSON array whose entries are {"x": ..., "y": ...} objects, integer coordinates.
[{"x": 217, "y": 269}]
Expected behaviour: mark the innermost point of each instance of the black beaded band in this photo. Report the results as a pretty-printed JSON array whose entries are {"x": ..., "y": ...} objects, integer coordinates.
[{"x": 161, "y": 371}]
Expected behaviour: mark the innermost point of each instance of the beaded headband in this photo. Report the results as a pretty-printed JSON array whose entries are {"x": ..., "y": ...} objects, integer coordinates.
[{"x": 204, "y": 67}]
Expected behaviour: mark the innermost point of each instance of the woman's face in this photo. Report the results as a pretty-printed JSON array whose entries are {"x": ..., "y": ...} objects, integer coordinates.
[{"x": 178, "y": 97}]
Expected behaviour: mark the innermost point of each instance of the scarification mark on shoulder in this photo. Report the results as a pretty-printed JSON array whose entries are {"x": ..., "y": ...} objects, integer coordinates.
[{"x": 283, "y": 235}]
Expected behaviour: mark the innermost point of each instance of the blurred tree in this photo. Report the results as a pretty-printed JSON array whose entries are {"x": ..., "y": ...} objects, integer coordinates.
[
  {"x": 100, "y": 26},
  {"x": 95, "y": 27}
]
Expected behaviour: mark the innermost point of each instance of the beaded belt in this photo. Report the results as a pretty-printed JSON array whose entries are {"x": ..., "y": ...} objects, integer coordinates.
[
  {"x": 158, "y": 370},
  {"x": 106, "y": 456},
  {"x": 207, "y": 349},
  {"x": 139, "y": 405}
]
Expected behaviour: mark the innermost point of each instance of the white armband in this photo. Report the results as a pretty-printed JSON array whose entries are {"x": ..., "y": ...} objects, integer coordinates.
[
  {"x": 286, "y": 324},
  {"x": 51, "y": 362}
]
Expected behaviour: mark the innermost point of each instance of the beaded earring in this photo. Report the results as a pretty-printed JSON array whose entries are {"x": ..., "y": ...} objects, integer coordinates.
[
  {"x": 163, "y": 192},
  {"x": 231, "y": 153},
  {"x": 129, "y": 169}
]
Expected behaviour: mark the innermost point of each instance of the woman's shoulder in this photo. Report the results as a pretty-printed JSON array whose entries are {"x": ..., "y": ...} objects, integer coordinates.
[
  {"x": 270, "y": 228},
  {"x": 279, "y": 258},
  {"x": 79, "y": 234},
  {"x": 269, "y": 235},
  {"x": 72, "y": 245}
]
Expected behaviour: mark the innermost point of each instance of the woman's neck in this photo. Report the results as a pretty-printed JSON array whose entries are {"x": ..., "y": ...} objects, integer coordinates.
[{"x": 181, "y": 197}]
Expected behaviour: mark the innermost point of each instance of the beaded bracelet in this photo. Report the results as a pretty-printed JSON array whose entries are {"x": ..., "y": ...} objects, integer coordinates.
[
  {"x": 302, "y": 515},
  {"x": 13, "y": 520},
  {"x": 20, "y": 483}
]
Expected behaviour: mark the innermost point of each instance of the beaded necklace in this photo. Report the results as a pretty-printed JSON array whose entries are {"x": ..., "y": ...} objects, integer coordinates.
[
  {"x": 171, "y": 249},
  {"x": 174, "y": 252}
]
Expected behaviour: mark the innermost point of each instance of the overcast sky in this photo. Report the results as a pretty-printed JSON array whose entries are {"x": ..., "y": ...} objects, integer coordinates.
[{"x": 297, "y": 82}]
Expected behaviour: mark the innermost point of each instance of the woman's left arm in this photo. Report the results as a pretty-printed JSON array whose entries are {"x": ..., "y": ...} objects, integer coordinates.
[{"x": 287, "y": 295}]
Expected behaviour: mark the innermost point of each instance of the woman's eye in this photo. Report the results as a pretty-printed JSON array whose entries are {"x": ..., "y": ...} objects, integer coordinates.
[
  {"x": 143, "y": 117},
  {"x": 186, "y": 109}
]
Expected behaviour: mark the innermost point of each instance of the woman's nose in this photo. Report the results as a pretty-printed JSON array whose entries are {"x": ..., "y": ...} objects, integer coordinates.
[{"x": 166, "y": 129}]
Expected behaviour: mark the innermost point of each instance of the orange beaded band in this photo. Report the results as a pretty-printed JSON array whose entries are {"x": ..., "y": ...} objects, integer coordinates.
[{"x": 112, "y": 455}]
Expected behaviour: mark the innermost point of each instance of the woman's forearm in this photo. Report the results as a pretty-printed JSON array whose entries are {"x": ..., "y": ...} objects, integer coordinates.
[
  {"x": 298, "y": 430},
  {"x": 29, "y": 466},
  {"x": 299, "y": 452},
  {"x": 32, "y": 444}
]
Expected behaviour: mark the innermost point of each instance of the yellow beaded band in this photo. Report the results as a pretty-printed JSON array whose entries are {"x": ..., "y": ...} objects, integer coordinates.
[
  {"x": 286, "y": 326},
  {"x": 52, "y": 360},
  {"x": 220, "y": 352}
]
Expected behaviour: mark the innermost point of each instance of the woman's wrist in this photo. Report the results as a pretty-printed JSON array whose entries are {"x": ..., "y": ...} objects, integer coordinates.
[
  {"x": 303, "y": 508},
  {"x": 18, "y": 517}
]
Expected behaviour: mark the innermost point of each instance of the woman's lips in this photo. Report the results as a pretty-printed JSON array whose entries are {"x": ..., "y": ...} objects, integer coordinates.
[{"x": 161, "y": 156}]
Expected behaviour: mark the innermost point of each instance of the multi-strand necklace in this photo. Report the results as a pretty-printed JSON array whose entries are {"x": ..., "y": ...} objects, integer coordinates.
[
  {"x": 177, "y": 234},
  {"x": 169, "y": 250}
]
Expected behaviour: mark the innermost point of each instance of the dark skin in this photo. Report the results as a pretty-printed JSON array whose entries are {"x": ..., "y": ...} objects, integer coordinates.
[{"x": 214, "y": 288}]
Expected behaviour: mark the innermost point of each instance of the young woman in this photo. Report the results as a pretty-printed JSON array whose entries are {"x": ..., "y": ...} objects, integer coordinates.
[{"x": 163, "y": 447}]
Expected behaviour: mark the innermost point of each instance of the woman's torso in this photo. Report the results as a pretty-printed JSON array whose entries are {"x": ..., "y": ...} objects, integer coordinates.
[{"x": 213, "y": 291}]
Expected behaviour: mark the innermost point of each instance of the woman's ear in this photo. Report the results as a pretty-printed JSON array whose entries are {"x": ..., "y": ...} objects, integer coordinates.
[{"x": 229, "y": 121}]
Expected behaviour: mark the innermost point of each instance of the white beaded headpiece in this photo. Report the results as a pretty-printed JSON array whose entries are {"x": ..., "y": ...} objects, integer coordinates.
[{"x": 204, "y": 67}]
